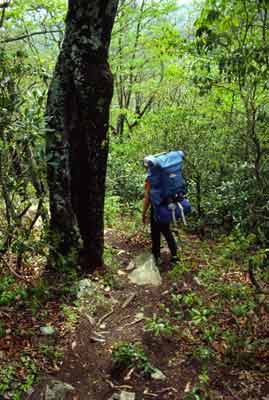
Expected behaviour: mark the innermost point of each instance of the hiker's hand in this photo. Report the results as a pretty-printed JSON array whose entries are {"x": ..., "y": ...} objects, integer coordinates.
[{"x": 144, "y": 218}]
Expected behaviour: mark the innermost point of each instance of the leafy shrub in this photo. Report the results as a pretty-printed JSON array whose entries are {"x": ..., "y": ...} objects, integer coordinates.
[
  {"x": 237, "y": 246},
  {"x": 128, "y": 355},
  {"x": 113, "y": 207},
  {"x": 125, "y": 176},
  {"x": 9, "y": 292},
  {"x": 8, "y": 379},
  {"x": 159, "y": 326},
  {"x": 179, "y": 270}
]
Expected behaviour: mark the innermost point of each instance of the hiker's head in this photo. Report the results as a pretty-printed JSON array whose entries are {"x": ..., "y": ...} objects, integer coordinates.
[
  {"x": 145, "y": 163},
  {"x": 182, "y": 153},
  {"x": 148, "y": 162}
]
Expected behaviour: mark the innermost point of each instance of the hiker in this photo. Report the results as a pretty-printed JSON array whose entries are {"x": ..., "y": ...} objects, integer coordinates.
[
  {"x": 164, "y": 193},
  {"x": 156, "y": 228}
]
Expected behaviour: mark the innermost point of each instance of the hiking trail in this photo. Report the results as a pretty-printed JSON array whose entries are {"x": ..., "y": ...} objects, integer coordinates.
[{"x": 121, "y": 311}]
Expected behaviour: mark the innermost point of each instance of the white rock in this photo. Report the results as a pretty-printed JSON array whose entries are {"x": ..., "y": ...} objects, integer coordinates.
[
  {"x": 47, "y": 330},
  {"x": 127, "y": 395},
  {"x": 146, "y": 271},
  {"x": 158, "y": 375}
]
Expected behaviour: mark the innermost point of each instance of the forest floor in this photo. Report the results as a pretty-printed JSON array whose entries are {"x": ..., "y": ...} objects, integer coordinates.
[{"x": 203, "y": 329}]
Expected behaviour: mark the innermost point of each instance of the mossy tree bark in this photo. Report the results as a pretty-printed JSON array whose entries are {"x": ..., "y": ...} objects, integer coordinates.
[{"x": 77, "y": 141}]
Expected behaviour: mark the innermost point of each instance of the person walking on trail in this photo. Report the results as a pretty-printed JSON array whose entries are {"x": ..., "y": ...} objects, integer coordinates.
[
  {"x": 156, "y": 228},
  {"x": 164, "y": 195}
]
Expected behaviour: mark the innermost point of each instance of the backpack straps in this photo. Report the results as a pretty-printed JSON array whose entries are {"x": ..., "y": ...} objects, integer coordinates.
[
  {"x": 172, "y": 207},
  {"x": 182, "y": 213}
]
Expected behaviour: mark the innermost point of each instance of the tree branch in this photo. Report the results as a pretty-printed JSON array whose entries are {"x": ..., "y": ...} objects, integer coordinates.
[
  {"x": 3, "y": 6},
  {"x": 141, "y": 113},
  {"x": 8, "y": 40}
]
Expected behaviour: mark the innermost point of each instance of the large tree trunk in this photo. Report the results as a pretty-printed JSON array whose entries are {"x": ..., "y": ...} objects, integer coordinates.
[{"x": 77, "y": 145}]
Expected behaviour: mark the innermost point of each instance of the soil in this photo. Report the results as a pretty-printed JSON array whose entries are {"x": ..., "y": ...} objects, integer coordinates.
[{"x": 87, "y": 363}]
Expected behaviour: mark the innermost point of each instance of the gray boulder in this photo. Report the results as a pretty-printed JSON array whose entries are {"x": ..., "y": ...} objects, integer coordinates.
[{"x": 57, "y": 390}]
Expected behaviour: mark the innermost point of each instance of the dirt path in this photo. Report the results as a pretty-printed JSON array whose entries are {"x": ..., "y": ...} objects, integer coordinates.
[{"x": 87, "y": 364}]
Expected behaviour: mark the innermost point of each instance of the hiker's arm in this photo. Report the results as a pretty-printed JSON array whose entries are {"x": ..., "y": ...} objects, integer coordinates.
[{"x": 146, "y": 201}]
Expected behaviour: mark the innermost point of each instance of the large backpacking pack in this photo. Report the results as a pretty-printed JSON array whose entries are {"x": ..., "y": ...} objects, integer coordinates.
[{"x": 167, "y": 186}]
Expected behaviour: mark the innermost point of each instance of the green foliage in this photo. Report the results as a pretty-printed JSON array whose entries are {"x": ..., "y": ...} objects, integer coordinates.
[
  {"x": 243, "y": 309},
  {"x": 125, "y": 175},
  {"x": 199, "y": 316},
  {"x": 112, "y": 209},
  {"x": 203, "y": 353},
  {"x": 50, "y": 352},
  {"x": 10, "y": 291},
  {"x": 258, "y": 269},
  {"x": 8, "y": 378},
  {"x": 237, "y": 246},
  {"x": 200, "y": 390},
  {"x": 239, "y": 58},
  {"x": 210, "y": 333},
  {"x": 71, "y": 315},
  {"x": 137, "y": 57},
  {"x": 179, "y": 270},
  {"x": 128, "y": 355},
  {"x": 159, "y": 326},
  {"x": 208, "y": 275},
  {"x": 31, "y": 369},
  {"x": 37, "y": 295},
  {"x": 112, "y": 264},
  {"x": 190, "y": 299}
]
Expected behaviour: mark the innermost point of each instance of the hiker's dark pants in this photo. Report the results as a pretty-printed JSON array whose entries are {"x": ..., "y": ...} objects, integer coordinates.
[{"x": 156, "y": 229}]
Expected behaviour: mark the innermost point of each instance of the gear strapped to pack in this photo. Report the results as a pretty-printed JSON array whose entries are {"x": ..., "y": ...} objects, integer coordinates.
[{"x": 167, "y": 186}]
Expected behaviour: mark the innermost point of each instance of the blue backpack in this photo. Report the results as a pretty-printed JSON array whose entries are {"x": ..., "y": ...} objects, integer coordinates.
[{"x": 167, "y": 186}]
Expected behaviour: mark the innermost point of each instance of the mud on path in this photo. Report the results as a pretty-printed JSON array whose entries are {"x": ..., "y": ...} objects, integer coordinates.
[{"x": 87, "y": 364}]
